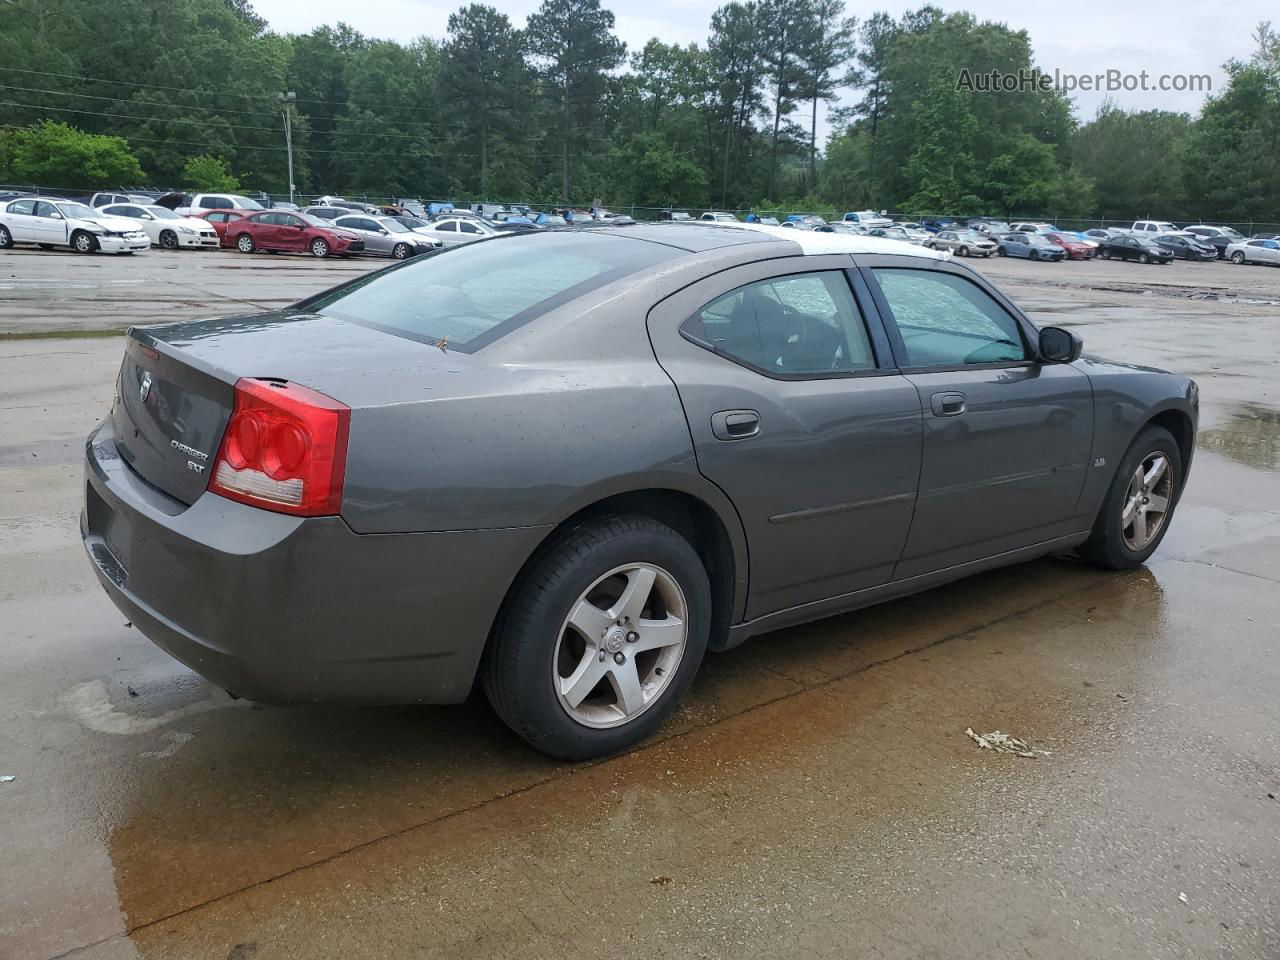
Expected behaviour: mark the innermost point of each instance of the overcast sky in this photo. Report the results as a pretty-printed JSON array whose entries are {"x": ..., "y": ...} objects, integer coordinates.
[{"x": 1076, "y": 36}]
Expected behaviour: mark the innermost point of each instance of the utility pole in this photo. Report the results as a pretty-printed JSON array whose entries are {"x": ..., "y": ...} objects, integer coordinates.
[{"x": 286, "y": 100}]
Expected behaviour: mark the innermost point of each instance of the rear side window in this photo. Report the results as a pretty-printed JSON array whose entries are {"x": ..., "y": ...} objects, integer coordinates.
[
  {"x": 803, "y": 325},
  {"x": 24, "y": 207},
  {"x": 476, "y": 293},
  {"x": 946, "y": 321}
]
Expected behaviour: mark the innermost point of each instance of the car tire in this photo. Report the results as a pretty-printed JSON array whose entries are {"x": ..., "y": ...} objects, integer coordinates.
[
  {"x": 1143, "y": 258},
  {"x": 1001, "y": 252},
  {"x": 1033, "y": 255},
  {"x": 168, "y": 240},
  {"x": 6, "y": 238},
  {"x": 535, "y": 651},
  {"x": 401, "y": 251},
  {"x": 319, "y": 248},
  {"x": 245, "y": 244},
  {"x": 1120, "y": 543},
  {"x": 83, "y": 242},
  {"x": 963, "y": 251},
  {"x": 1238, "y": 257},
  {"x": 1105, "y": 254}
]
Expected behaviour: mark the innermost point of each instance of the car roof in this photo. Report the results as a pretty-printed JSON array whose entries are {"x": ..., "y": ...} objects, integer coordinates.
[{"x": 706, "y": 236}]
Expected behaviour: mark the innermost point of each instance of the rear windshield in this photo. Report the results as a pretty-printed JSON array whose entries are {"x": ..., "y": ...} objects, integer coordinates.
[{"x": 471, "y": 295}]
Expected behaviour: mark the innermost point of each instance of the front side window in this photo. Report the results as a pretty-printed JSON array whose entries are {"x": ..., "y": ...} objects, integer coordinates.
[
  {"x": 944, "y": 320},
  {"x": 45, "y": 209},
  {"x": 800, "y": 325},
  {"x": 469, "y": 228}
]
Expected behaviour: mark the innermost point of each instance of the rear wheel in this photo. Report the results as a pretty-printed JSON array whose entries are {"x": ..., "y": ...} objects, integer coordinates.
[
  {"x": 6, "y": 238},
  {"x": 244, "y": 243},
  {"x": 319, "y": 247},
  {"x": 83, "y": 242},
  {"x": 1238, "y": 257},
  {"x": 601, "y": 638},
  {"x": 168, "y": 240},
  {"x": 1139, "y": 504},
  {"x": 401, "y": 251}
]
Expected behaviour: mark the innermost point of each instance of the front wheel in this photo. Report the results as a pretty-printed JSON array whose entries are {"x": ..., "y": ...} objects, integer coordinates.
[
  {"x": 83, "y": 242},
  {"x": 401, "y": 251},
  {"x": 963, "y": 251},
  {"x": 319, "y": 247},
  {"x": 1139, "y": 504},
  {"x": 601, "y": 638},
  {"x": 1033, "y": 255},
  {"x": 244, "y": 243},
  {"x": 1143, "y": 258},
  {"x": 1001, "y": 252},
  {"x": 168, "y": 240}
]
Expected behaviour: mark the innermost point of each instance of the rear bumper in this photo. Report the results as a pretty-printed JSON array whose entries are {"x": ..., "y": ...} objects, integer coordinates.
[{"x": 288, "y": 609}]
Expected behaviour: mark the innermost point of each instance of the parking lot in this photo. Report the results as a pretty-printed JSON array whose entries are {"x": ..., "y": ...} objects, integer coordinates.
[{"x": 816, "y": 794}]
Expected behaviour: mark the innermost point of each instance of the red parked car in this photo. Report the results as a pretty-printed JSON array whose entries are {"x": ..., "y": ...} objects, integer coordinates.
[
  {"x": 1076, "y": 249},
  {"x": 220, "y": 220},
  {"x": 292, "y": 233}
]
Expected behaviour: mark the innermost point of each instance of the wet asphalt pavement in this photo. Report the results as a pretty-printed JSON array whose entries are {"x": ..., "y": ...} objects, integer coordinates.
[{"x": 815, "y": 796}]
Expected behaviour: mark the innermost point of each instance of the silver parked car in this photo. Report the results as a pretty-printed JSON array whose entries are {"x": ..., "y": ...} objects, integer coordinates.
[
  {"x": 387, "y": 236},
  {"x": 1255, "y": 251},
  {"x": 963, "y": 243},
  {"x": 570, "y": 463}
]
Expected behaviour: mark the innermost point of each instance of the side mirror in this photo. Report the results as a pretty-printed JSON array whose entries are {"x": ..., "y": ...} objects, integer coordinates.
[
  {"x": 147, "y": 216},
  {"x": 1060, "y": 346}
]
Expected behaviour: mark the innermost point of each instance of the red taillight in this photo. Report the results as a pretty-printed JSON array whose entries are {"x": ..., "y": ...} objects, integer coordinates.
[{"x": 284, "y": 449}]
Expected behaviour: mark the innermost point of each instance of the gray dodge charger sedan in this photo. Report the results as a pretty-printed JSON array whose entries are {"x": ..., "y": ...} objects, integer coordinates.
[{"x": 568, "y": 464}]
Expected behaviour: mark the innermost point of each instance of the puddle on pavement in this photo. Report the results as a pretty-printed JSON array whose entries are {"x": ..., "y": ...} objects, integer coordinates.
[
  {"x": 878, "y": 757},
  {"x": 1251, "y": 436},
  {"x": 257, "y": 793}
]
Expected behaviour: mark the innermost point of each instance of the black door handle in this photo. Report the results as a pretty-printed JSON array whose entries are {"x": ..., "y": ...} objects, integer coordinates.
[
  {"x": 947, "y": 404},
  {"x": 735, "y": 424}
]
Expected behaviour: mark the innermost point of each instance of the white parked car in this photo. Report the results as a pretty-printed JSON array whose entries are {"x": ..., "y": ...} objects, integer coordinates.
[
  {"x": 1150, "y": 228},
  {"x": 867, "y": 218},
  {"x": 1255, "y": 251},
  {"x": 219, "y": 201},
  {"x": 717, "y": 216},
  {"x": 66, "y": 223},
  {"x": 456, "y": 230},
  {"x": 167, "y": 229}
]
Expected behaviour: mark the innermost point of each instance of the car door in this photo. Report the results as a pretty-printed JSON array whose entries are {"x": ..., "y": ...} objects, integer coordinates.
[
  {"x": 291, "y": 232},
  {"x": 798, "y": 415},
  {"x": 1006, "y": 437},
  {"x": 48, "y": 224},
  {"x": 1018, "y": 245}
]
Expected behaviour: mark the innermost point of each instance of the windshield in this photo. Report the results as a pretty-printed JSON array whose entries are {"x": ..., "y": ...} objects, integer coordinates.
[
  {"x": 315, "y": 221},
  {"x": 411, "y": 222},
  {"x": 395, "y": 226},
  {"x": 162, "y": 213},
  {"x": 1232, "y": 234},
  {"x": 76, "y": 210},
  {"x": 246, "y": 203},
  {"x": 475, "y": 293}
]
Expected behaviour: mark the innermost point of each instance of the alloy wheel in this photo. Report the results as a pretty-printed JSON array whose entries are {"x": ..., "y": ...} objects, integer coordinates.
[
  {"x": 319, "y": 248},
  {"x": 620, "y": 645},
  {"x": 83, "y": 243},
  {"x": 1147, "y": 501},
  {"x": 169, "y": 240},
  {"x": 245, "y": 243}
]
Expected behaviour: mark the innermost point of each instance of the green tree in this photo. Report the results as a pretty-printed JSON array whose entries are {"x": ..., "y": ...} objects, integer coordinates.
[
  {"x": 788, "y": 25},
  {"x": 56, "y": 155},
  {"x": 735, "y": 75},
  {"x": 208, "y": 174},
  {"x": 483, "y": 75},
  {"x": 826, "y": 51},
  {"x": 573, "y": 42}
]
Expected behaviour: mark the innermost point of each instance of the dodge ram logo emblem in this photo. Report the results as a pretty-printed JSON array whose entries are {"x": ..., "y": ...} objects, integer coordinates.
[{"x": 145, "y": 390}]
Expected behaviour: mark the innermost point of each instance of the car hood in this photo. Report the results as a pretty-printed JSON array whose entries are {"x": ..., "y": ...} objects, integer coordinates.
[{"x": 108, "y": 222}]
